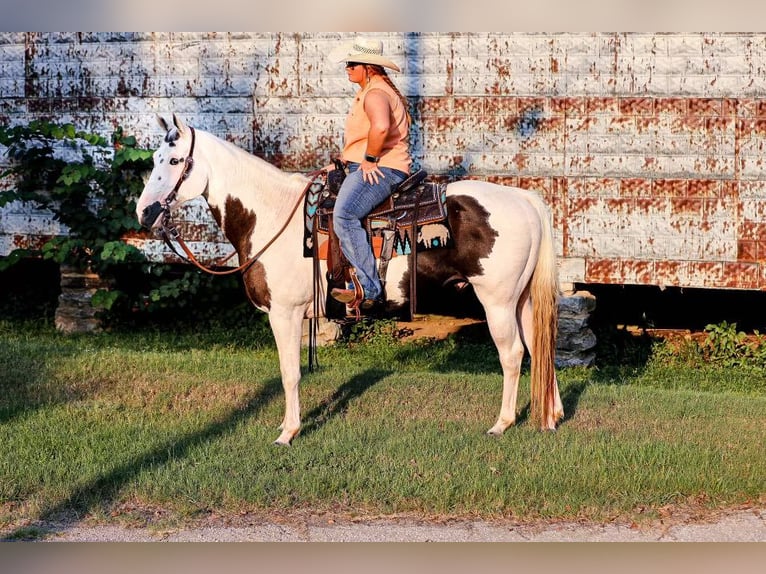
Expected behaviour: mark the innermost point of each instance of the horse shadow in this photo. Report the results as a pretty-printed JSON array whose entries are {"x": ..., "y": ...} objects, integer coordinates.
[
  {"x": 106, "y": 488},
  {"x": 337, "y": 403},
  {"x": 24, "y": 382}
]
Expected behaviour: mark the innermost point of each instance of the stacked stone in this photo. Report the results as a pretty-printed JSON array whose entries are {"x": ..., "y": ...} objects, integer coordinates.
[
  {"x": 75, "y": 313},
  {"x": 576, "y": 342}
]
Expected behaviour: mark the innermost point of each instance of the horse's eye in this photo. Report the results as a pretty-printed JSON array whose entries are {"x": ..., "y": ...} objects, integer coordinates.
[{"x": 175, "y": 161}]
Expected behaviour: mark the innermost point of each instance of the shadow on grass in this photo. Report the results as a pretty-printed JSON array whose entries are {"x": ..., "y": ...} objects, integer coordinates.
[
  {"x": 26, "y": 375},
  {"x": 570, "y": 398},
  {"x": 338, "y": 402},
  {"x": 106, "y": 488}
]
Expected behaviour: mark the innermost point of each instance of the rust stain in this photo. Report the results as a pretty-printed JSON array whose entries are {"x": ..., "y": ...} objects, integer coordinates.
[
  {"x": 603, "y": 270},
  {"x": 573, "y": 130},
  {"x": 686, "y": 206},
  {"x": 730, "y": 190},
  {"x": 520, "y": 161},
  {"x": 669, "y": 187},
  {"x": 501, "y": 106},
  {"x": 581, "y": 205},
  {"x": 757, "y": 127},
  {"x": 435, "y": 105},
  {"x": 634, "y": 187},
  {"x": 742, "y": 275},
  {"x": 705, "y": 106},
  {"x": 705, "y": 188},
  {"x": 760, "y": 108},
  {"x": 709, "y": 272},
  {"x": 739, "y": 107},
  {"x": 752, "y": 230},
  {"x": 620, "y": 123},
  {"x": 569, "y": 105},
  {"x": 637, "y": 106},
  {"x": 669, "y": 273},
  {"x": 719, "y": 124},
  {"x": 541, "y": 184},
  {"x": 647, "y": 123},
  {"x": 674, "y": 106},
  {"x": 469, "y": 105},
  {"x": 747, "y": 250},
  {"x": 647, "y": 205},
  {"x": 536, "y": 103},
  {"x": 640, "y": 271},
  {"x": 689, "y": 123},
  {"x": 507, "y": 180},
  {"x": 621, "y": 205}
]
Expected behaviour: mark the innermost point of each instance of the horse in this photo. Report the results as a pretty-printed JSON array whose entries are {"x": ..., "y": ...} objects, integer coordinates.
[{"x": 503, "y": 248}]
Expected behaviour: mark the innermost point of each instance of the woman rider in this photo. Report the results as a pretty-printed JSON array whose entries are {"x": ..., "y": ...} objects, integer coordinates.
[{"x": 377, "y": 155}]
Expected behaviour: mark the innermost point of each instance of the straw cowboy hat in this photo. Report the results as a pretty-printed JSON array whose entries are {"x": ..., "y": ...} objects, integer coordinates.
[{"x": 364, "y": 51}]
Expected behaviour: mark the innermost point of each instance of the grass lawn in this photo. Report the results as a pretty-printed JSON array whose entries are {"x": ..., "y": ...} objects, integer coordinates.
[{"x": 146, "y": 426}]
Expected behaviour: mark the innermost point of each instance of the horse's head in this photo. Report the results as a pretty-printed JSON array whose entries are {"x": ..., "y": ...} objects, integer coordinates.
[{"x": 174, "y": 178}]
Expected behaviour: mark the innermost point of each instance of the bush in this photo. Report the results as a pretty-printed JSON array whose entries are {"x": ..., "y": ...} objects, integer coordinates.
[
  {"x": 91, "y": 185},
  {"x": 720, "y": 345}
]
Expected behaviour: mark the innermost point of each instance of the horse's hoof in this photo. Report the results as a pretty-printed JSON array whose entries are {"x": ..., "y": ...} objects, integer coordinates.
[
  {"x": 500, "y": 427},
  {"x": 285, "y": 438}
]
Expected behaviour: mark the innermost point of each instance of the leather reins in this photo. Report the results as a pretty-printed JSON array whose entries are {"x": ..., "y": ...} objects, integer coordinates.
[{"x": 171, "y": 233}]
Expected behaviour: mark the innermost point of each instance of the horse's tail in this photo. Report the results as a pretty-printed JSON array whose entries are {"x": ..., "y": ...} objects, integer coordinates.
[{"x": 544, "y": 291}]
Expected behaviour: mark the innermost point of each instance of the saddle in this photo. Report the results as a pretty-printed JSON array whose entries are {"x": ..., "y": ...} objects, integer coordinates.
[{"x": 412, "y": 218}]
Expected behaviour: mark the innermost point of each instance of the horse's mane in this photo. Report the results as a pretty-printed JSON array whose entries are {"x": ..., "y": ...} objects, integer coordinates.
[{"x": 259, "y": 172}]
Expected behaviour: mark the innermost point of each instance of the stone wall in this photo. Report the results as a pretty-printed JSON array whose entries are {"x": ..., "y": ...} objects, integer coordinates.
[{"x": 648, "y": 147}]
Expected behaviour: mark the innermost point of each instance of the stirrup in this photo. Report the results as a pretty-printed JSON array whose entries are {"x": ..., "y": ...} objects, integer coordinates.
[{"x": 352, "y": 298}]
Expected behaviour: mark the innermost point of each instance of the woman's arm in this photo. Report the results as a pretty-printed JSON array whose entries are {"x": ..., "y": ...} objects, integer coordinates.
[{"x": 378, "y": 110}]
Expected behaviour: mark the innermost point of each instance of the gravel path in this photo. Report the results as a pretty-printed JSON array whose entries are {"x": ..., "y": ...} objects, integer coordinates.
[{"x": 741, "y": 526}]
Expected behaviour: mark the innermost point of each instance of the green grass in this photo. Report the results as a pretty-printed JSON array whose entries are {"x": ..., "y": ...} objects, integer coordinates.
[{"x": 133, "y": 426}]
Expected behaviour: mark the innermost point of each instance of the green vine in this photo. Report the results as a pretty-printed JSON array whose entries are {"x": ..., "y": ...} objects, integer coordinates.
[
  {"x": 90, "y": 184},
  {"x": 87, "y": 182}
]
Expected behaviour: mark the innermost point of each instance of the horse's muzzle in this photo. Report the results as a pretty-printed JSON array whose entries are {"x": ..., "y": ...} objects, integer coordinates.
[{"x": 150, "y": 214}]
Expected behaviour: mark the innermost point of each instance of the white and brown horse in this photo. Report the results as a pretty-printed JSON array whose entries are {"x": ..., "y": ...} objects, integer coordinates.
[{"x": 503, "y": 248}]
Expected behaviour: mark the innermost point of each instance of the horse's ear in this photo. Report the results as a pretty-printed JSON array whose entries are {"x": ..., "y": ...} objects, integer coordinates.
[
  {"x": 163, "y": 123},
  {"x": 178, "y": 122}
]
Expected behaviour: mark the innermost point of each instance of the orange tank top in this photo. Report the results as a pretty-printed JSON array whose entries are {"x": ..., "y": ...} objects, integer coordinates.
[{"x": 395, "y": 153}]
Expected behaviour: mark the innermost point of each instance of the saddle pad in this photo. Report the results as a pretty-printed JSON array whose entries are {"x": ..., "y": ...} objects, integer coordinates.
[{"x": 427, "y": 201}]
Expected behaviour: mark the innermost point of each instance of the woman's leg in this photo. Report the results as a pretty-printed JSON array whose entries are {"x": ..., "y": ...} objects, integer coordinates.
[{"x": 356, "y": 199}]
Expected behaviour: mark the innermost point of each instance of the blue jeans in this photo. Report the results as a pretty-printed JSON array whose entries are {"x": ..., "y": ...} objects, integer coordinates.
[{"x": 356, "y": 199}]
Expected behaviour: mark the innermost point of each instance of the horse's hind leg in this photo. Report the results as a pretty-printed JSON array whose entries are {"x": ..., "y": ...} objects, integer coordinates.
[{"x": 503, "y": 327}]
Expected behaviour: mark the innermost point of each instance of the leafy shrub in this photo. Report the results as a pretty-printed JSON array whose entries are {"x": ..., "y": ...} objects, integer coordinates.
[
  {"x": 720, "y": 345},
  {"x": 90, "y": 184}
]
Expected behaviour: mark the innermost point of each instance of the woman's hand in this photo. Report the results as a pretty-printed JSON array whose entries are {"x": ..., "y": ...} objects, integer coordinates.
[{"x": 370, "y": 171}]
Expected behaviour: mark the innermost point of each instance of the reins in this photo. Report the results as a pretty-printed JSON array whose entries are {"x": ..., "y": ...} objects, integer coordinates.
[{"x": 171, "y": 233}]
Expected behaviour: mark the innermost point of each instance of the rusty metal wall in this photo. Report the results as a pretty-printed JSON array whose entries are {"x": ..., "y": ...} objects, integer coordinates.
[{"x": 647, "y": 146}]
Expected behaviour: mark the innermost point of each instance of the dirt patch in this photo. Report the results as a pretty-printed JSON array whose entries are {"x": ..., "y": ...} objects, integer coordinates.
[{"x": 440, "y": 327}]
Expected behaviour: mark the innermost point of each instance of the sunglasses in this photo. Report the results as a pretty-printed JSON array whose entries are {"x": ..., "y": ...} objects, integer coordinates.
[{"x": 353, "y": 64}]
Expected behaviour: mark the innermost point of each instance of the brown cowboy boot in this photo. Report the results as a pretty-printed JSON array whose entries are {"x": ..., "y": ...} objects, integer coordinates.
[{"x": 351, "y": 297}]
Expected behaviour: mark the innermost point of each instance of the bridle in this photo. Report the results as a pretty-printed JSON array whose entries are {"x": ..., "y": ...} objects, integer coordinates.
[{"x": 170, "y": 233}]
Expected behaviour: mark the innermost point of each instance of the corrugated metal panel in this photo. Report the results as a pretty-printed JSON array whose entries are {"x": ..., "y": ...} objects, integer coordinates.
[{"x": 649, "y": 147}]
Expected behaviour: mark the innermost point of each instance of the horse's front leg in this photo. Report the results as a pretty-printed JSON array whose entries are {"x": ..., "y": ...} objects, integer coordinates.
[{"x": 286, "y": 324}]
